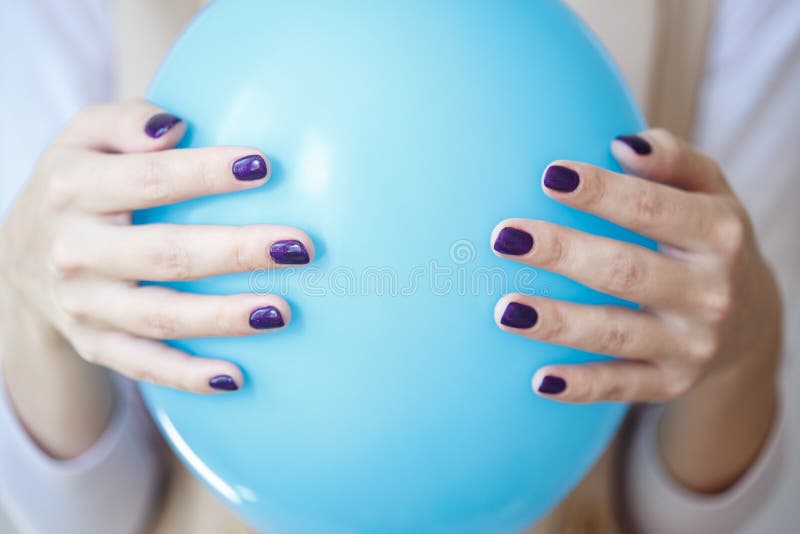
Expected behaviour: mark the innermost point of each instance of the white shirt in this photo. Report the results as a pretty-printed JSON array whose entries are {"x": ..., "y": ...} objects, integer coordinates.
[{"x": 56, "y": 59}]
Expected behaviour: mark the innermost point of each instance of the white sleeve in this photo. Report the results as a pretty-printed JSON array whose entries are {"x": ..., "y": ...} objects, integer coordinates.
[
  {"x": 112, "y": 487},
  {"x": 656, "y": 503}
]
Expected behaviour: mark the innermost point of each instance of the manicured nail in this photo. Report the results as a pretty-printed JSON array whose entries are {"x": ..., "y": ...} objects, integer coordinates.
[
  {"x": 518, "y": 315},
  {"x": 552, "y": 385},
  {"x": 266, "y": 317},
  {"x": 561, "y": 179},
  {"x": 160, "y": 124},
  {"x": 513, "y": 241},
  {"x": 223, "y": 383},
  {"x": 289, "y": 252},
  {"x": 250, "y": 168},
  {"x": 638, "y": 144}
]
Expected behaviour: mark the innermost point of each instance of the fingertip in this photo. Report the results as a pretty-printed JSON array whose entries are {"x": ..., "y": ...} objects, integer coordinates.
[
  {"x": 549, "y": 382},
  {"x": 254, "y": 168},
  {"x": 274, "y": 314},
  {"x": 225, "y": 378}
]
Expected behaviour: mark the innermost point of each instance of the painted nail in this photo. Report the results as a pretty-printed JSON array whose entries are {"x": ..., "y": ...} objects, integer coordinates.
[
  {"x": 160, "y": 124},
  {"x": 223, "y": 383},
  {"x": 250, "y": 168},
  {"x": 552, "y": 385},
  {"x": 636, "y": 143},
  {"x": 513, "y": 241},
  {"x": 561, "y": 179},
  {"x": 289, "y": 252},
  {"x": 266, "y": 317},
  {"x": 518, "y": 315}
]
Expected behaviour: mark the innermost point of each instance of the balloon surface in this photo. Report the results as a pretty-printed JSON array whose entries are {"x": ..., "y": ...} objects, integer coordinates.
[{"x": 400, "y": 134}]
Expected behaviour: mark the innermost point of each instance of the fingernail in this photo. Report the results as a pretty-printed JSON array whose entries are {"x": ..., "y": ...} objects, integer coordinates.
[
  {"x": 266, "y": 317},
  {"x": 223, "y": 383},
  {"x": 561, "y": 179},
  {"x": 513, "y": 241},
  {"x": 552, "y": 385},
  {"x": 289, "y": 252},
  {"x": 638, "y": 144},
  {"x": 160, "y": 124},
  {"x": 250, "y": 168},
  {"x": 518, "y": 315}
]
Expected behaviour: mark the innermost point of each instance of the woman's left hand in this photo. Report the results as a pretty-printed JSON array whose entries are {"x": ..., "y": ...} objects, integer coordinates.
[{"x": 709, "y": 303}]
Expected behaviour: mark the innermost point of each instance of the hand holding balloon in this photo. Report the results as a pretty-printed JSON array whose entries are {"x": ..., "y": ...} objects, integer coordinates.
[
  {"x": 74, "y": 257},
  {"x": 711, "y": 315}
]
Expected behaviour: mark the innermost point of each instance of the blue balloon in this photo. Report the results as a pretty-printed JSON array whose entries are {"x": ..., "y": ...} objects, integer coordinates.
[{"x": 400, "y": 134}]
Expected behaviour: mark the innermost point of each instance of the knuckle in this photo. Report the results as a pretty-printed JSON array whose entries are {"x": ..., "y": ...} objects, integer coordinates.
[
  {"x": 595, "y": 194},
  {"x": 624, "y": 273},
  {"x": 649, "y": 206},
  {"x": 244, "y": 256},
  {"x": 701, "y": 349},
  {"x": 224, "y": 322},
  {"x": 556, "y": 252},
  {"x": 552, "y": 329},
  {"x": 172, "y": 260},
  {"x": 717, "y": 303},
  {"x": 678, "y": 385},
  {"x": 615, "y": 339},
  {"x": 74, "y": 308},
  {"x": 91, "y": 353},
  {"x": 156, "y": 188},
  {"x": 161, "y": 323},
  {"x": 729, "y": 233},
  {"x": 65, "y": 261},
  {"x": 60, "y": 191}
]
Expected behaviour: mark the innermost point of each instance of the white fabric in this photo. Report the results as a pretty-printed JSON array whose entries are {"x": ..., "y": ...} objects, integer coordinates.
[
  {"x": 112, "y": 487},
  {"x": 56, "y": 59},
  {"x": 657, "y": 504}
]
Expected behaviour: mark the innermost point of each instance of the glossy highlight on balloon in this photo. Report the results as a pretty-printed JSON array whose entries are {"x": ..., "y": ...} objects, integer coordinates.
[{"x": 399, "y": 134}]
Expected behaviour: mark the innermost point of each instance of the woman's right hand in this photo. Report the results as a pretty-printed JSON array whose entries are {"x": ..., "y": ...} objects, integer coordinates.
[{"x": 69, "y": 252}]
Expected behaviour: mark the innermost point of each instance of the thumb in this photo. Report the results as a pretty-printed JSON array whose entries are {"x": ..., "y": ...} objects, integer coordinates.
[
  {"x": 135, "y": 126},
  {"x": 662, "y": 157}
]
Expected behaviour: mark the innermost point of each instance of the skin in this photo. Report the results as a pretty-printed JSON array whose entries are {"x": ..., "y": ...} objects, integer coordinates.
[
  {"x": 71, "y": 259},
  {"x": 706, "y": 340}
]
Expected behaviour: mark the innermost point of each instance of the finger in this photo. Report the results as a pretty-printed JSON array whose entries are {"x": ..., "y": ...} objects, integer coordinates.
[
  {"x": 155, "y": 362},
  {"x": 660, "y": 156},
  {"x": 164, "y": 252},
  {"x": 621, "y": 269},
  {"x": 161, "y": 313},
  {"x": 615, "y": 380},
  {"x": 664, "y": 213},
  {"x": 135, "y": 126},
  {"x": 610, "y": 330},
  {"x": 125, "y": 182}
]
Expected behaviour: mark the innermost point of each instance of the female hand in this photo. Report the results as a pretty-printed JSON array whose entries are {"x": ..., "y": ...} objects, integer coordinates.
[
  {"x": 710, "y": 306},
  {"x": 70, "y": 253}
]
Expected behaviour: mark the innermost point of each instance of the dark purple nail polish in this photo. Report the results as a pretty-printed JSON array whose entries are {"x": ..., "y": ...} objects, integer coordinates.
[
  {"x": 160, "y": 124},
  {"x": 561, "y": 179},
  {"x": 637, "y": 144},
  {"x": 250, "y": 168},
  {"x": 289, "y": 252},
  {"x": 223, "y": 383},
  {"x": 552, "y": 385},
  {"x": 514, "y": 242},
  {"x": 266, "y": 317},
  {"x": 518, "y": 315}
]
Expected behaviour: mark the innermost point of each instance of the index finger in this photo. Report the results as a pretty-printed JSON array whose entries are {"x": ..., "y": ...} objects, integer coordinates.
[
  {"x": 664, "y": 213},
  {"x": 109, "y": 183}
]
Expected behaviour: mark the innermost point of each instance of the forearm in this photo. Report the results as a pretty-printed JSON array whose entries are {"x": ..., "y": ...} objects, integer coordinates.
[
  {"x": 63, "y": 402},
  {"x": 710, "y": 437}
]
